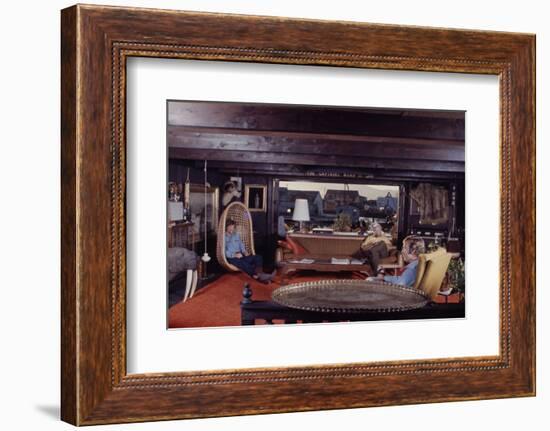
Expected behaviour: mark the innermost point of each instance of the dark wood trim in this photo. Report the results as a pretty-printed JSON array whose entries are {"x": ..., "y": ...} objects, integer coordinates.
[
  {"x": 318, "y": 160},
  {"x": 69, "y": 304},
  {"x": 419, "y": 140},
  {"x": 404, "y": 208},
  {"x": 96, "y": 42},
  {"x": 317, "y": 144},
  {"x": 265, "y": 135},
  {"x": 288, "y": 119},
  {"x": 269, "y": 311},
  {"x": 329, "y": 173}
]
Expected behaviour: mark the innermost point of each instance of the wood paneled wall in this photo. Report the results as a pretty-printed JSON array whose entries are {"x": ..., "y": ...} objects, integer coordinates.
[
  {"x": 364, "y": 138},
  {"x": 263, "y": 142}
]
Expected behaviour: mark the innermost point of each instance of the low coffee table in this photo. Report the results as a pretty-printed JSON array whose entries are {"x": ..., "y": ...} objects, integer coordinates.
[
  {"x": 349, "y": 296},
  {"x": 343, "y": 301},
  {"x": 320, "y": 265}
]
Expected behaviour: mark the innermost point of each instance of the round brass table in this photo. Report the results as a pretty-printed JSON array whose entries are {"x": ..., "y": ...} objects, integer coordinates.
[{"x": 349, "y": 296}]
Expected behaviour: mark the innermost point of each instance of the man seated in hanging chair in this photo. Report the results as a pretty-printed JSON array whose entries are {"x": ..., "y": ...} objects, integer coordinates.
[{"x": 236, "y": 254}]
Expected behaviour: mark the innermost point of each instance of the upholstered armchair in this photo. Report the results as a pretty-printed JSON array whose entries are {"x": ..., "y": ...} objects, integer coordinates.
[{"x": 431, "y": 271}]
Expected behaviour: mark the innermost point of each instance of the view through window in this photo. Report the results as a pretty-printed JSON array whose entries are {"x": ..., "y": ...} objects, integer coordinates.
[{"x": 341, "y": 206}]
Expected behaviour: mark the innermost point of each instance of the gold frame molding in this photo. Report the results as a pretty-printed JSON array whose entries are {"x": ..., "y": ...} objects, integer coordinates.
[{"x": 247, "y": 188}]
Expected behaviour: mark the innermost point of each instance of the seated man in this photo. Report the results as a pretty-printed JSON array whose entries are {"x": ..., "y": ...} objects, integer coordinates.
[
  {"x": 376, "y": 246},
  {"x": 236, "y": 255},
  {"x": 408, "y": 276}
]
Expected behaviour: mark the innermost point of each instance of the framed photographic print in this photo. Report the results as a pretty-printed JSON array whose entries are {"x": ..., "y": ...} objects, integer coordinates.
[
  {"x": 365, "y": 161},
  {"x": 255, "y": 197},
  {"x": 345, "y": 231}
]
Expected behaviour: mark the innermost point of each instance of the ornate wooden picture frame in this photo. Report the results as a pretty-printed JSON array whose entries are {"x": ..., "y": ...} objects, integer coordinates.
[{"x": 96, "y": 42}]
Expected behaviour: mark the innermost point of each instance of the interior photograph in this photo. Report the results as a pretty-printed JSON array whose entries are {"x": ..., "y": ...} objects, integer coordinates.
[{"x": 310, "y": 214}]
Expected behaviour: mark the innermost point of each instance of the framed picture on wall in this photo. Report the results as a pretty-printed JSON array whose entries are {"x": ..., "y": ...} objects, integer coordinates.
[
  {"x": 255, "y": 197},
  {"x": 204, "y": 207}
]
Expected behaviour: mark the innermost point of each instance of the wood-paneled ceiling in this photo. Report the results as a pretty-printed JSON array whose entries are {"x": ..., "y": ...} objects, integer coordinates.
[{"x": 281, "y": 135}]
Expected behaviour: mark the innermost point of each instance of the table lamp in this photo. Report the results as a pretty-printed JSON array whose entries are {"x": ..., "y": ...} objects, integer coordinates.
[{"x": 301, "y": 212}]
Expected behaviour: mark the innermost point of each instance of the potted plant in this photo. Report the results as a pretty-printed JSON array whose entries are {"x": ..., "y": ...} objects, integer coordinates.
[
  {"x": 432, "y": 246},
  {"x": 457, "y": 279},
  {"x": 342, "y": 223}
]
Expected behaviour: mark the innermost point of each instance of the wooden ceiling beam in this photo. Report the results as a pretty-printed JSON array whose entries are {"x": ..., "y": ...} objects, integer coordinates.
[
  {"x": 301, "y": 143},
  {"x": 319, "y": 119},
  {"x": 315, "y": 159}
]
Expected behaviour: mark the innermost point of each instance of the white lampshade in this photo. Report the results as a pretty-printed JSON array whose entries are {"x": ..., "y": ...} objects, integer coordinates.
[
  {"x": 175, "y": 211},
  {"x": 301, "y": 210}
]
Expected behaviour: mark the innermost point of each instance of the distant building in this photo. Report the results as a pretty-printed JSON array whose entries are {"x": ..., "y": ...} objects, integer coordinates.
[
  {"x": 340, "y": 198},
  {"x": 350, "y": 210},
  {"x": 371, "y": 204},
  {"x": 387, "y": 202},
  {"x": 288, "y": 197}
]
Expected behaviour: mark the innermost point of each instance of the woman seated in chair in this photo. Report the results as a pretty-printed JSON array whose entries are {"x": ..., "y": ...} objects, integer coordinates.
[
  {"x": 408, "y": 276},
  {"x": 236, "y": 254}
]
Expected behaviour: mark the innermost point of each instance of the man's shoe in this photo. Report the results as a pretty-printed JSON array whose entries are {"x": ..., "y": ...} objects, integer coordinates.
[{"x": 268, "y": 278}]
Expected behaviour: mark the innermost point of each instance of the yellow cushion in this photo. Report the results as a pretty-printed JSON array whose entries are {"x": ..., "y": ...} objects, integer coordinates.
[
  {"x": 420, "y": 269},
  {"x": 431, "y": 271},
  {"x": 423, "y": 260}
]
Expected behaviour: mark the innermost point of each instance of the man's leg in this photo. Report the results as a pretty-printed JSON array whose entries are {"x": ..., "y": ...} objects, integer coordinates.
[
  {"x": 243, "y": 264},
  {"x": 257, "y": 261},
  {"x": 375, "y": 253},
  {"x": 252, "y": 263}
]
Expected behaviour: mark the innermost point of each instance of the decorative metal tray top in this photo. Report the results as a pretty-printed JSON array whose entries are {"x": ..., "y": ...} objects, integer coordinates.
[{"x": 349, "y": 296}]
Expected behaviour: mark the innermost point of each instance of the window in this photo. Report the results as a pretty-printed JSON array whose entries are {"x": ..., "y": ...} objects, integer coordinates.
[{"x": 362, "y": 203}]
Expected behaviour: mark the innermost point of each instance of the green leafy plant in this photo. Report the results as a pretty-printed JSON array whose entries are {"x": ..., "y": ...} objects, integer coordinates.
[
  {"x": 342, "y": 223},
  {"x": 432, "y": 246},
  {"x": 456, "y": 273}
]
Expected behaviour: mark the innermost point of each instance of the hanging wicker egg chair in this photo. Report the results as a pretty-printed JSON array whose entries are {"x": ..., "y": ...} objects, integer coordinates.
[{"x": 237, "y": 212}]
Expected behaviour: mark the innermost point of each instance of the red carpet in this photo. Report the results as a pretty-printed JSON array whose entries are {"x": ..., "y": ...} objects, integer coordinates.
[{"x": 218, "y": 304}]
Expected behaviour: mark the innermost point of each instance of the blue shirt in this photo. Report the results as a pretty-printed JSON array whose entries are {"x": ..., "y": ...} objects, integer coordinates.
[
  {"x": 408, "y": 276},
  {"x": 234, "y": 244}
]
